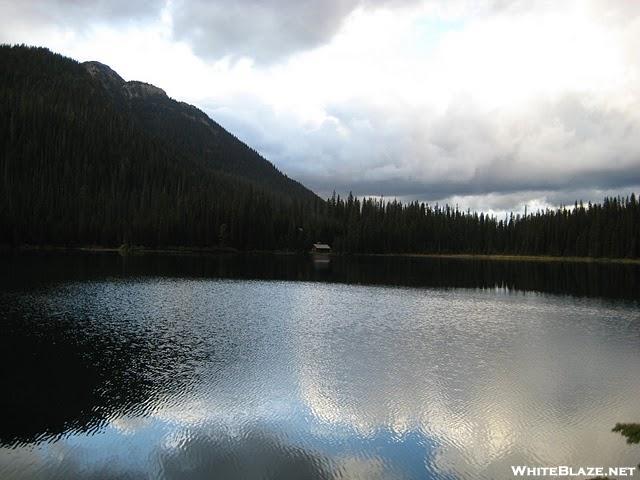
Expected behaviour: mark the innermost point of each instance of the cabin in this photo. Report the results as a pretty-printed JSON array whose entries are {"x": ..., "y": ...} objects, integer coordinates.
[{"x": 320, "y": 248}]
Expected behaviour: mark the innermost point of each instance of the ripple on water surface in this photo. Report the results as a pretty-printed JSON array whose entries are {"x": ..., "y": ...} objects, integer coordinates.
[{"x": 184, "y": 378}]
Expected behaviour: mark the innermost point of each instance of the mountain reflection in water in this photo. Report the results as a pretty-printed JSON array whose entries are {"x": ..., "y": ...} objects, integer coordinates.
[{"x": 266, "y": 367}]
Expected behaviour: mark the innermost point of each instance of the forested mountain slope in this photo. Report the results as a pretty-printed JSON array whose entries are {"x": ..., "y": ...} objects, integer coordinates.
[
  {"x": 191, "y": 131},
  {"x": 87, "y": 158}
]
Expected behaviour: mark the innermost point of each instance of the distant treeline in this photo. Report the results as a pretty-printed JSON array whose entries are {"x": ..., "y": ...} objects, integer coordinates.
[
  {"x": 89, "y": 159},
  {"x": 607, "y": 229}
]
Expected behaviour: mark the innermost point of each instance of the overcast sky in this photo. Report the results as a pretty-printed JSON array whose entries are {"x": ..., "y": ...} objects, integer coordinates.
[{"x": 488, "y": 104}]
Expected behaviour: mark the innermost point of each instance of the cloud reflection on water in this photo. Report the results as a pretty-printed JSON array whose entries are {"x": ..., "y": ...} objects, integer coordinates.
[{"x": 339, "y": 381}]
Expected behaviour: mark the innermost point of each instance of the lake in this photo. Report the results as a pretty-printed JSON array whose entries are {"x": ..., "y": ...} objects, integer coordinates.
[{"x": 278, "y": 367}]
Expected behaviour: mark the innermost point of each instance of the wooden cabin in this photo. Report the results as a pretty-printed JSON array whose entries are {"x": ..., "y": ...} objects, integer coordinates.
[{"x": 321, "y": 248}]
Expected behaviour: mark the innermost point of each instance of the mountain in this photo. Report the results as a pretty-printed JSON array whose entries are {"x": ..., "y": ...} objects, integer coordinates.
[
  {"x": 191, "y": 131},
  {"x": 89, "y": 158}
]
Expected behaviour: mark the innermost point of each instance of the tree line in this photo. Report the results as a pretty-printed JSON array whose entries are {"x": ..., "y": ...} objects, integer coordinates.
[
  {"x": 83, "y": 164},
  {"x": 607, "y": 229}
]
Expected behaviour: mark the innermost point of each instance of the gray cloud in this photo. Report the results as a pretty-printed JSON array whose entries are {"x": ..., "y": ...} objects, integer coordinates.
[
  {"x": 555, "y": 150},
  {"x": 553, "y": 147},
  {"x": 264, "y": 30}
]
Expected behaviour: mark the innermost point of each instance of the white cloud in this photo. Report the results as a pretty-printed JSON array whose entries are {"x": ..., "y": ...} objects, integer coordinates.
[{"x": 428, "y": 100}]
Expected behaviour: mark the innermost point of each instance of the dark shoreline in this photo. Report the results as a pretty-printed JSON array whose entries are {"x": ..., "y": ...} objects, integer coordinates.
[
  {"x": 139, "y": 250},
  {"x": 511, "y": 258}
]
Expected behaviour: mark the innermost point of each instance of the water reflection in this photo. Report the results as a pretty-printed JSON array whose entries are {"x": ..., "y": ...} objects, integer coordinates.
[
  {"x": 496, "y": 381},
  {"x": 579, "y": 279},
  {"x": 128, "y": 368}
]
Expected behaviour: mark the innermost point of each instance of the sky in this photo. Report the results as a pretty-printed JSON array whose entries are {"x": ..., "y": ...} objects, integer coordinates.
[{"x": 490, "y": 105}]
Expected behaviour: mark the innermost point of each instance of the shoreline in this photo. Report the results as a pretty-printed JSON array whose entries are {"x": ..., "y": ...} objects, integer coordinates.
[
  {"x": 509, "y": 258},
  {"x": 139, "y": 250}
]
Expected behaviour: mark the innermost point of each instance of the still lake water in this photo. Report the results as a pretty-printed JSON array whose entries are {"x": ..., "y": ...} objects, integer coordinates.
[{"x": 248, "y": 367}]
